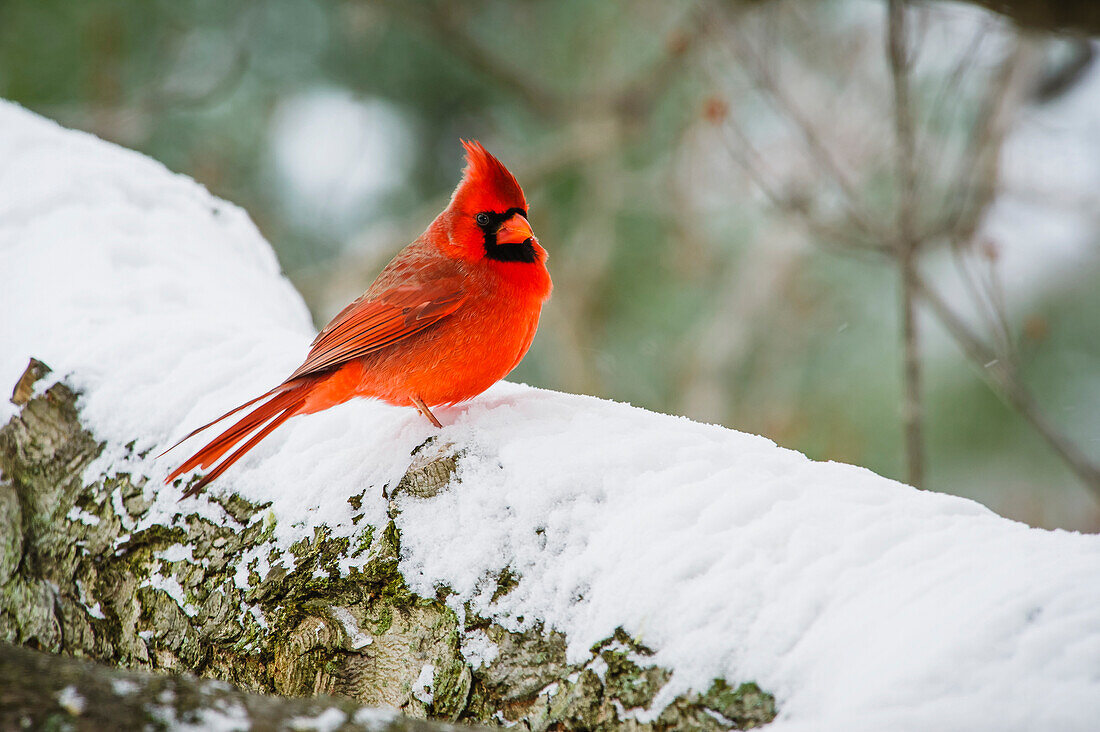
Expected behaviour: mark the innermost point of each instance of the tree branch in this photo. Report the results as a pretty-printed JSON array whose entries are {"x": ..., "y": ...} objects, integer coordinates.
[
  {"x": 45, "y": 691},
  {"x": 1004, "y": 380},
  {"x": 907, "y": 244}
]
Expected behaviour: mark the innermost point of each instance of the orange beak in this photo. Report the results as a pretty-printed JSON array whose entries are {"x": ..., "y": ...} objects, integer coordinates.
[{"x": 515, "y": 230}]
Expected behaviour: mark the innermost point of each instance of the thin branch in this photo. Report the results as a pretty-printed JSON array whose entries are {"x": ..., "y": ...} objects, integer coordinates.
[
  {"x": 979, "y": 166},
  {"x": 978, "y": 294},
  {"x": 822, "y": 155},
  {"x": 449, "y": 31},
  {"x": 973, "y": 190},
  {"x": 629, "y": 100},
  {"x": 907, "y": 244},
  {"x": 946, "y": 107},
  {"x": 751, "y": 161},
  {"x": 1004, "y": 381},
  {"x": 995, "y": 287},
  {"x": 976, "y": 186}
]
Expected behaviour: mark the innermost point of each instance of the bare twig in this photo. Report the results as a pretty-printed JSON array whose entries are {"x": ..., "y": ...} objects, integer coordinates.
[
  {"x": 1004, "y": 380},
  {"x": 448, "y": 30},
  {"x": 946, "y": 108},
  {"x": 907, "y": 244},
  {"x": 979, "y": 166},
  {"x": 766, "y": 81},
  {"x": 975, "y": 290},
  {"x": 995, "y": 286},
  {"x": 828, "y": 233},
  {"x": 972, "y": 187}
]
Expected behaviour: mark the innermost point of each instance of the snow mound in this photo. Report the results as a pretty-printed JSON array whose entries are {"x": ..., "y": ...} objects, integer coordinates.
[{"x": 860, "y": 602}]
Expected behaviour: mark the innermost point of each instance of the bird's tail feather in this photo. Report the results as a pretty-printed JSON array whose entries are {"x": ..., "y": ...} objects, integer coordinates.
[{"x": 284, "y": 402}]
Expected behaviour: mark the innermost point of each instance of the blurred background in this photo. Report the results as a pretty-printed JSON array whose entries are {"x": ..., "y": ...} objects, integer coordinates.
[{"x": 866, "y": 230}]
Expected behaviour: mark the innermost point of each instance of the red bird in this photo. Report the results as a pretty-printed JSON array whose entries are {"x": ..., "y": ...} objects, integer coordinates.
[{"x": 447, "y": 318}]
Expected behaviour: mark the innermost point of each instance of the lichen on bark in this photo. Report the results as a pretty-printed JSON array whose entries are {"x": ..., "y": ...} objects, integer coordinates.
[{"x": 83, "y": 572}]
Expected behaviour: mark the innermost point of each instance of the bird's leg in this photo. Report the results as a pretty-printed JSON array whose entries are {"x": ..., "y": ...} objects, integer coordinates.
[{"x": 423, "y": 409}]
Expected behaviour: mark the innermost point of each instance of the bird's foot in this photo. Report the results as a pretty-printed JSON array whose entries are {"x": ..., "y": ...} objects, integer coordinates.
[{"x": 423, "y": 409}]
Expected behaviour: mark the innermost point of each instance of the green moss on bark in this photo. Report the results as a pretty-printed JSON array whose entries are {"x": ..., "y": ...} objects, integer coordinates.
[
  {"x": 219, "y": 599},
  {"x": 77, "y": 577}
]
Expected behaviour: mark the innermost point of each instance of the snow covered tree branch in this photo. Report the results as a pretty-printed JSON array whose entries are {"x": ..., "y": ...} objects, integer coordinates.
[
  {"x": 215, "y": 597},
  {"x": 554, "y": 560}
]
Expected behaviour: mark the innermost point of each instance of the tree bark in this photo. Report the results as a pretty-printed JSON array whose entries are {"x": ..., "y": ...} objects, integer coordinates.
[
  {"x": 46, "y": 691},
  {"x": 85, "y": 571}
]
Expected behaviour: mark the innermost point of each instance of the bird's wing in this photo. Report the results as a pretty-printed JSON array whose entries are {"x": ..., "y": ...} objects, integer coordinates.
[{"x": 374, "y": 322}]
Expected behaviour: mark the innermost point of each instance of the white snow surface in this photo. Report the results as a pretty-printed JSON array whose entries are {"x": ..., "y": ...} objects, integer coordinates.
[
  {"x": 424, "y": 686},
  {"x": 860, "y": 602},
  {"x": 71, "y": 701},
  {"x": 329, "y": 720}
]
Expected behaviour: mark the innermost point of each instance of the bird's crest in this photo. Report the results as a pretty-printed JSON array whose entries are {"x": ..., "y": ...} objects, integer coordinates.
[{"x": 489, "y": 178}]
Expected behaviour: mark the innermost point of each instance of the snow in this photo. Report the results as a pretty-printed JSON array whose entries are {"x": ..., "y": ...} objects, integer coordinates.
[
  {"x": 258, "y": 615},
  {"x": 92, "y": 608},
  {"x": 78, "y": 514},
  {"x": 478, "y": 649},
  {"x": 423, "y": 687},
  {"x": 374, "y": 717},
  {"x": 171, "y": 586},
  {"x": 176, "y": 553},
  {"x": 224, "y": 717},
  {"x": 329, "y": 720},
  {"x": 124, "y": 687},
  {"x": 860, "y": 602},
  {"x": 357, "y": 639},
  {"x": 71, "y": 701}
]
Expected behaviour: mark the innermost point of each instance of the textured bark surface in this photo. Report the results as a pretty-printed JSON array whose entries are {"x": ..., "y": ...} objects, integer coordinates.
[
  {"x": 42, "y": 691},
  {"x": 77, "y": 576}
]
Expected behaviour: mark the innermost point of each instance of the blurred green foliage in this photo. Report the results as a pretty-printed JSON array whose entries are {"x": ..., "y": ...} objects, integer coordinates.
[{"x": 678, "y": 286}]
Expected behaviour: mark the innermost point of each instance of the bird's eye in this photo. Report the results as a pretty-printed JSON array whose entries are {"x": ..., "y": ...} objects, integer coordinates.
[{"x": 482, "y": 219}]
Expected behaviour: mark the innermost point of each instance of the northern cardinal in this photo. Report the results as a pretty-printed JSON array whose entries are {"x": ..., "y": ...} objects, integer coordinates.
[{"x": 448, "y": 317}]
